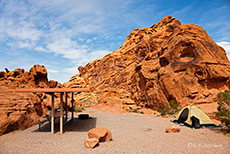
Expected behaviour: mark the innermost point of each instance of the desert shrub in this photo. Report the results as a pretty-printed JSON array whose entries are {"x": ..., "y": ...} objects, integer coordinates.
[
  {"x": 169, "y": 108},
  {"x": 223, "y": 100},
  {"x": 88, "y": 102},
  {"x": 45, "y": 96},
  {"x": 74, "y": 102},
  {"x": 136, "y": 111},
  {"x": 78, "y": 109}
]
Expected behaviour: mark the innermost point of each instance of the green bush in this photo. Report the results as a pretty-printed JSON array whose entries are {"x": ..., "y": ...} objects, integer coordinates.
[
  {"x": 78, "y": 109},
  {"x": 223, "y": 100},
  {"x": 169, "y": 108},
  {"x": 136, "y": 111},
  {"x": 45, "y": 96}
]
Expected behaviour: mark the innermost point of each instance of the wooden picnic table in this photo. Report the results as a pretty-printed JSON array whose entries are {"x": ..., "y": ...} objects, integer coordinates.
[{"x": 52, "y": 91}]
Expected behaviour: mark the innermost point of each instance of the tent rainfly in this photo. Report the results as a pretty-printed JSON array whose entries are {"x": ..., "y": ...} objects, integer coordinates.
[{"x": 194, "y": 117}]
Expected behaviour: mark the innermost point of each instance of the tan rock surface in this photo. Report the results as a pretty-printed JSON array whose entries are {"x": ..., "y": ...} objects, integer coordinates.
[
  {"x": 18, "y": 111},
  {"x": 167, "y": 61},
  {"x": 102, "y": 134},
  {"x": 91, "y": 142},
  {"x": 172, "y": 129}
]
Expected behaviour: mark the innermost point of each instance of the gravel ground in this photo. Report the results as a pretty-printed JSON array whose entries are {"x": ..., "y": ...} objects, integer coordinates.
[{"x": 132, "y": 134}]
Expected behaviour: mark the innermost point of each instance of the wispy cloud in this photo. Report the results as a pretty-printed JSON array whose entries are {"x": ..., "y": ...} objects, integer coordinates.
[
  {"x": 52, "y": 71},
  {"x": 226, "y": 46}
]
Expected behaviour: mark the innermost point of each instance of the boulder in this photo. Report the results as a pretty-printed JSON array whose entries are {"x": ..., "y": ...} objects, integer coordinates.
[
  {"x": 39, "y": 75},
  {"x": 172, "y": 129},
  {"x": 54, "y": 84},
  {"x": 102, "y": 134},
  {"x": 91, "y": 142},
  {"x": 15, "y": 73},
  {"x": 2, "y": 74}
]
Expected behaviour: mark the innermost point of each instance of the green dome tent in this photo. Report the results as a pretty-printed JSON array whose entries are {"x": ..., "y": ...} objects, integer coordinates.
[{"x": 194, "y": 117}]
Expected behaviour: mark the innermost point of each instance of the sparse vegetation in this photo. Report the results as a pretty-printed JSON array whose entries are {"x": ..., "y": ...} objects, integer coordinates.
[
  {"x": 78, "y": 109},
  {"x": 45, "y": 97},
  {"x": 74, "y": 102},
  {"x": 88, "y": 102},
  {"x": 223, "y": 100},
  {"x": 170, "y": 108},
  {"x": 136, "y": 111}
]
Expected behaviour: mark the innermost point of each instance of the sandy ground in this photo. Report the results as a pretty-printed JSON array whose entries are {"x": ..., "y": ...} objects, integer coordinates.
[{"x": 132, "y": 134}]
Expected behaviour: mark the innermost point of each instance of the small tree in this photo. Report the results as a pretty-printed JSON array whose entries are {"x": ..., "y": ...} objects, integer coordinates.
[{"x": 223, "y": 100}]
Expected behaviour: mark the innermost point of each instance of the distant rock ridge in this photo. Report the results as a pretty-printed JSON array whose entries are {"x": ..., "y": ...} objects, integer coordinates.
[
  {"x": 36, "y": 78},
  {"x": 168, "y": 61}
]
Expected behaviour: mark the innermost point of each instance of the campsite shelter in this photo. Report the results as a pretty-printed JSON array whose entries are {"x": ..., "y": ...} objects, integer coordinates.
[
  {"x": 52, "y": 91},
  {"x": 194, "y": 117}
]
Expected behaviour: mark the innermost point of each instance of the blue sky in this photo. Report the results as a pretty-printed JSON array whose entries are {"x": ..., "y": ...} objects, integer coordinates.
[{"x": 65, "y": 34}]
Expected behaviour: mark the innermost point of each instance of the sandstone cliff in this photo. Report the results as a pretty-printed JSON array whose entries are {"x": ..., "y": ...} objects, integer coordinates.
[
  {"x": 168, "y": 61},
  {"x": 19, "y": 110}
]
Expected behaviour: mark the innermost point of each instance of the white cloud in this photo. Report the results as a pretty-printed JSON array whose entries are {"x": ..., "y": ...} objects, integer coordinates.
[
  {"x": 70, "y": 49},
  {"x": 19, "y": 44},
  {"x": 40, "y": 48},
  {"x": 85, "y": 58},
  {"x": 22, "y": 30},
  {"x": 52, "y": 71},
  {"x": 71, "y": 70},
  {"x": 226, "y": 46},
  {"x": 24, "y": 44}
]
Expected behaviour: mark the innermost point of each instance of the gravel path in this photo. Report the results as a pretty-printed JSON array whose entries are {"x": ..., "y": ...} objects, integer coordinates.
[{"x": 132, "y": 134}]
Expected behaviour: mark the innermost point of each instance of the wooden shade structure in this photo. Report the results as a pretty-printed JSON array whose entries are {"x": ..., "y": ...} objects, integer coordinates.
[{"x": 52, "y": 91}]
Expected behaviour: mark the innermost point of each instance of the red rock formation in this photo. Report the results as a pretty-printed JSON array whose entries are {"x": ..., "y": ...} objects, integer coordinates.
[
  {"x": 154, "y": 65},
  {"x": 172, "y": 129},
  {"x": 18, "y": 110}
]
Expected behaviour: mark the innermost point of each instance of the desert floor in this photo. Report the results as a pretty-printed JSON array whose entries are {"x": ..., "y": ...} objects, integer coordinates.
[{"x": 132, "y": 134}]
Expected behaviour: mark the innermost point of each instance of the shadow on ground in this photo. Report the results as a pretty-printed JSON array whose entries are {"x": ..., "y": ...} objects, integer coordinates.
[
  {"x": 220, "y": 130},
  {"x": 80, "y": 125}
]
